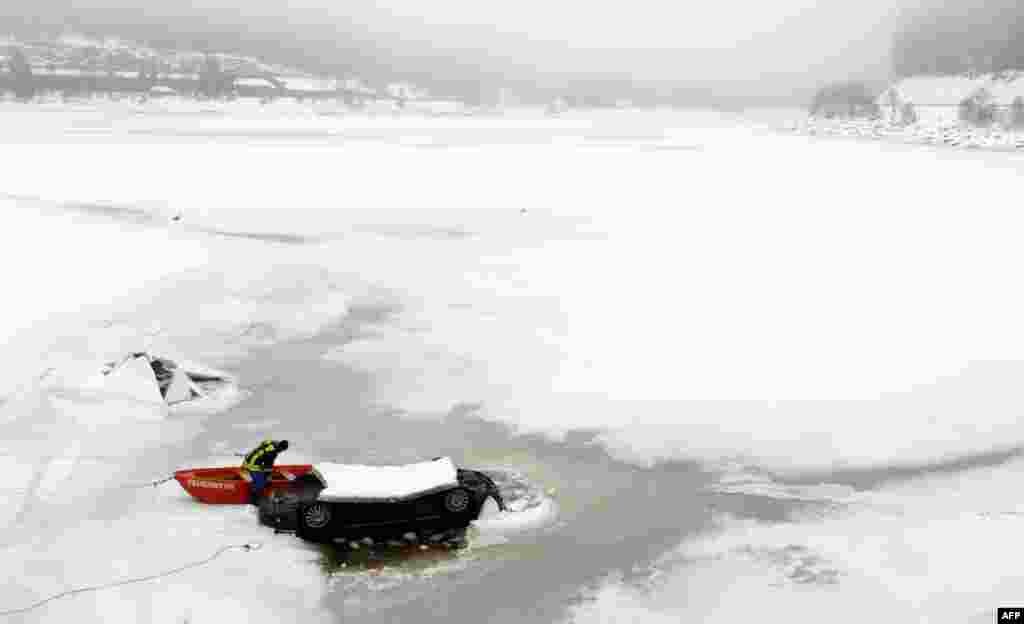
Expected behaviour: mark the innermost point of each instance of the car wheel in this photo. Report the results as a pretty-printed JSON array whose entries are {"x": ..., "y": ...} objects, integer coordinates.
[
  {"x": 316, "y": 516},
  {"x": 457, "y": 501}
]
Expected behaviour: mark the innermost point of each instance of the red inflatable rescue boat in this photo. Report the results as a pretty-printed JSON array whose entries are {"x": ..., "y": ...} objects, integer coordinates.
[{"x": 229, "y": 485}]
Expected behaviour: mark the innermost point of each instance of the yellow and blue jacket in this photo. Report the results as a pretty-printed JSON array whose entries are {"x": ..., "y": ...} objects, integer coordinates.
[{"x": 261, "y": 459}]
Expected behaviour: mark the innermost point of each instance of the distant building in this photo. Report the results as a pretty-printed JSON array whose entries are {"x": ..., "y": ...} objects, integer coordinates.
[
  {"x": 1007, "y": 100},
  {"x": 404, "y": 90},
  {"x": 557, "y": 106},
  {"x": 934, "y": 100},
  {"x": 161, "y": 91},
  {"x": 945, "y": 100}
]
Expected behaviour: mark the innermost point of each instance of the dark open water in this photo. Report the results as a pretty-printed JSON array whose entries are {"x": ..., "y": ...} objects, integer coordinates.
[{"x": 613, "y": 517}]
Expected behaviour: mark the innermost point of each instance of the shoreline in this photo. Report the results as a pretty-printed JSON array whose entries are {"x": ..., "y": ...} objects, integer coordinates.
[{"x": 943, "y": 136}]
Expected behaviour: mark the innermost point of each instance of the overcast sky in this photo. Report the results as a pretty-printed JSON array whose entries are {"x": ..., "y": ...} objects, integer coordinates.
[{"x": 746, "y": 44}]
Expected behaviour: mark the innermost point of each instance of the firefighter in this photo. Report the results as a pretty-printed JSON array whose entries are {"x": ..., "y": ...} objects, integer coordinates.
[{"x": 259, "y": 463}]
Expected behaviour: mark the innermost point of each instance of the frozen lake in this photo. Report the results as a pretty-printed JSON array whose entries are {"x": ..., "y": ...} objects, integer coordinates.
[{"x": 747, "y": 372}]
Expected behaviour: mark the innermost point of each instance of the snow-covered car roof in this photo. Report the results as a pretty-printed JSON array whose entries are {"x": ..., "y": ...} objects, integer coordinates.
[
  {"x": 359, "y": 483},
  {"x": 938, "y": 90}
]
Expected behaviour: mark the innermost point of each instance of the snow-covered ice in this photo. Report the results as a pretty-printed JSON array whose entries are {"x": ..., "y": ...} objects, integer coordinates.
[
  {"x": 754, "y": 300},
  {"x": 933, "y": 549}
]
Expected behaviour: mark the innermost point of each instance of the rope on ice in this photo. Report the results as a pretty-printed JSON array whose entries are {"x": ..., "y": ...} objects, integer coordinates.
[
  {"x": 149, "y": 484},
  {"x": 81, "y": 590}
]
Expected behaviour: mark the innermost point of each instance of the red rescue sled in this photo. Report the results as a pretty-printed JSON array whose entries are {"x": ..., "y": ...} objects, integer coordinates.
[{"x": 229, "y": 485}]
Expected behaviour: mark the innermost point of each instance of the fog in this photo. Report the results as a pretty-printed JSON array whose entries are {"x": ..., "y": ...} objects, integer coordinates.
[{"x": 734, "y": 47}]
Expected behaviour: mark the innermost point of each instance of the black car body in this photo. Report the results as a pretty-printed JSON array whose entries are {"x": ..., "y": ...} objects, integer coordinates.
[{"x": 429, "y": 516}]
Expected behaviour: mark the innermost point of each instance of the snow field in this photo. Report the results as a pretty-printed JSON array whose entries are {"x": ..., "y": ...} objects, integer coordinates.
[{"x": 762, "y": 301}]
